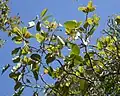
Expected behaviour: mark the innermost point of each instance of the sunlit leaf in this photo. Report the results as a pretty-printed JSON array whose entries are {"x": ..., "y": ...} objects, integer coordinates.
[
  {"x": 75, "y": 49},
  {"x": 39, "y": 37},
  {"x": 25, "y": 50},
  {"x": 90, "y": 21},
  {"x": 117, "y": 19},
  {"x": 83, "y": 9},
  {"x": 81, "y": 69},
  {"x": 43, "y": 12},
  {"x": 70, "y": 24},
  {"x": 45, "y": 71},
  {"x": 46, "y": 17},
  {"x": 17, "y": 31},
  {"x": 99, "y": 45},
  {"x": 90, "y": 6},
  {"x": 17, "y": 39},
  {"x": 96, "y": 19},
  {"x": 27, "y": 35}
]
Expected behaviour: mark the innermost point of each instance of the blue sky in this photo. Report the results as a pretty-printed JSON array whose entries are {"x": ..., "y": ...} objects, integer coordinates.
[{"x": 62, "y": 10}]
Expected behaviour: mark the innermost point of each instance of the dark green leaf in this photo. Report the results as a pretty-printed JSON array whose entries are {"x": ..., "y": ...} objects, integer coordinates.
[
  {"x": 28, "y": 81},
  {"x": 19, "y": 92},
  {"x": 35, "y": 73},
  {"x": 49, "y": 58},
  {"x": 5, "y": 68},
  {"x": 16, "y": 67},
  {"x": 50, "y": 71},
  {"x": 18, "y": 85},
  {"x": 38, "y": 27},
  {"x": 16, "y": 50},
  {"x": 35, "y": 57},
  {"x": 14, "y": 75},
  {"x": 91, "y": 32},
  {"x": 16, "y": 59},
  {"x": 17, "y": 39}
]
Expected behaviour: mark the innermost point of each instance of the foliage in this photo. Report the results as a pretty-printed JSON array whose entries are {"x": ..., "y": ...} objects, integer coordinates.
[{"x": 86, "y": 70}]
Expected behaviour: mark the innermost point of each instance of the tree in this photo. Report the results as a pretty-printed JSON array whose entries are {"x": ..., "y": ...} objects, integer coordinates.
[{"x": 86, "y": 70}]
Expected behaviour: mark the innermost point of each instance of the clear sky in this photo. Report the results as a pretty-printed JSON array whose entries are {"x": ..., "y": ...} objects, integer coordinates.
[{"x": 62, "y": 10}]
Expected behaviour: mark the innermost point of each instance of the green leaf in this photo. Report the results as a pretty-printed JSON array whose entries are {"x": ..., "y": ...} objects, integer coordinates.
[
  {"x": 16, "y": 59},
  {"x": 17, "y": 31},
  {"x": 38, "y": 26},
  {"x": 27, "y": 35},
  {"x": 90, "y": 6},
  {"x": 83, "y": 9},
  {"x": 25, "y": 50},
  {"x": 15, "y": 68},
  {"x": 19, "y": 92},
  {"x": 40, "y": 38},
  {"x": 49, "y": 58},
  {"x": 91, "y": 31},
  {"x": 70, "y": 24},
  {"x": 35, "y": 75},
  {"x": 14, "y": 75},
  {"x": 5, "y": 68},
  {"x": 43, "y": 12},
  {"x": 35, "y": 57},
  {"x": 99, "y": 45},
  {"x": 18, "y": 85},
  {"x": 17, "y": 39},
  {"x": 46, "y": 17},
  {"x": 90, "y": 21},
  {"x": 81, "y": 69},
  {"x": 82, "y": 84},
  {"x": 35, "y": 70},
  {"x": 75, "y": 49},
  {"x": 15, "y": 51},
  {"x": 50, "y": 71}
]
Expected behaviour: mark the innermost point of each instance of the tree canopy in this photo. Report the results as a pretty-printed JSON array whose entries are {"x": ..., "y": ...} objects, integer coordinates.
[{"x": 77, "y": 67}]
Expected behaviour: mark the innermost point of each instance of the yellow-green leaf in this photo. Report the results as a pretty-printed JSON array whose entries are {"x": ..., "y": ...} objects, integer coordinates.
[
  {"x": 70, "y": 24},
  {"x": 44, "y": 12},
  {"x": 39, "y": 37},
  {"x": 90, "y": 21}
]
